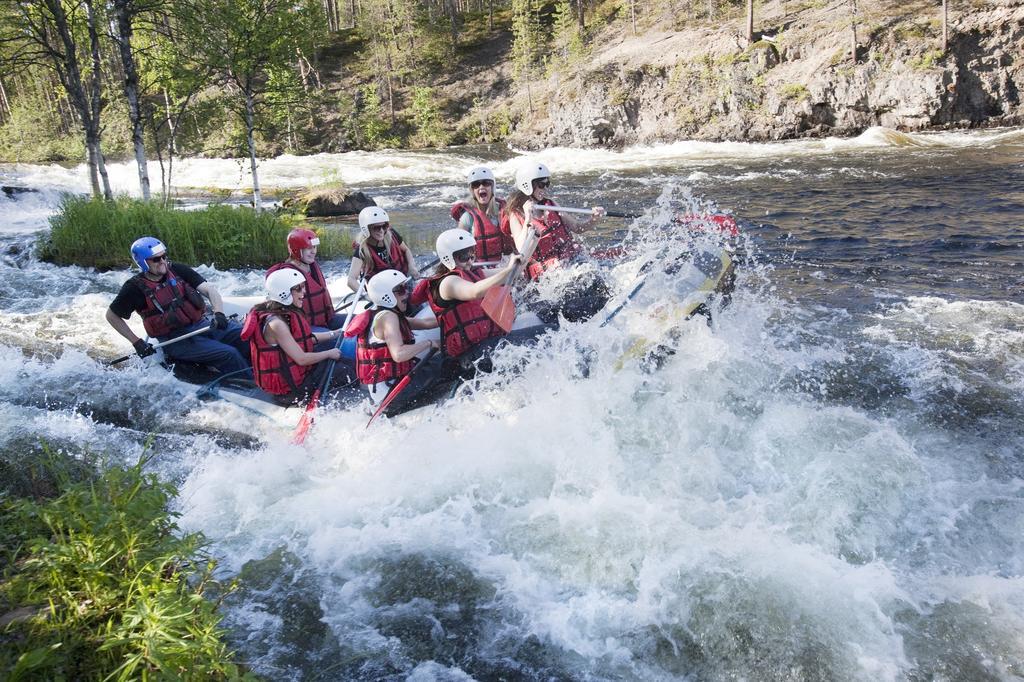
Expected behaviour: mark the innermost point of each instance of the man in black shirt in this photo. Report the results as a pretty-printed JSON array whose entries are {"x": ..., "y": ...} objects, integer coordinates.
[{"x": 169, "y": 298}]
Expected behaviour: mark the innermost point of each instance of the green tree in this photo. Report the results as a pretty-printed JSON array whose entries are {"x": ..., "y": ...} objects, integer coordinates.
[
  {"x": 374, "y": 128},
  {"x": 242, "y": 42},
  {"x": 526, "y": 45},
  {"x": 50, "y": 33},
  {"x": 426, "y": 115},
  {"x": 125, "y": 13}
]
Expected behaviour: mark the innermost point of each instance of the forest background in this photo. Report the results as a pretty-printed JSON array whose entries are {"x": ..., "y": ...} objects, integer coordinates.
[{"x": 157, "y": 79}]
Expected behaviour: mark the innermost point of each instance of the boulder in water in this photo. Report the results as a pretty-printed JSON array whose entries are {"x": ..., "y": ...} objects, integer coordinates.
[
  {"x": 11, "y": 190},
  {"x": 330, "y": 202}
]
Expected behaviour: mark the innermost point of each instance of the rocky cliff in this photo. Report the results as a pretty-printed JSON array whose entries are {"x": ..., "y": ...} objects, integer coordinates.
[{"x": 796, "y": 80}]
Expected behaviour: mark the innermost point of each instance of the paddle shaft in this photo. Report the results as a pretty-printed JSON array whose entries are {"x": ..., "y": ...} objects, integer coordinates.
[
  {"x": 585, "y": 211},
  {"x": 168, "y": 342},
  {"x": 306, "y": 421},
  {"x": 400, "y": 386},
  {"x": 497, "y": 302}
]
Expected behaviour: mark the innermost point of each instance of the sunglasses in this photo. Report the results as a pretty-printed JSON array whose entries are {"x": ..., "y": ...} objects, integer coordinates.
[
  {"x": 465, "y": 254},
  {"x": 157, "y": 259},
  {"x": 543, "y": 183},
  {"x": 480, "y": 183},
  {"x": 380, "y": 226}
]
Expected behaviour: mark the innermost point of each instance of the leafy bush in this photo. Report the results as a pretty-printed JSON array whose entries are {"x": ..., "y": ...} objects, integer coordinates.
[
  {"x": 96, "y": 233},
  {"x": 100, "y": 586}
]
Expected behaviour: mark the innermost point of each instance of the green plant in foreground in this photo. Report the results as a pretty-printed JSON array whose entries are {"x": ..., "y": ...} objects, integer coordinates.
[
  {"x": 101, "y": 586},
  {"x": 97, "y": 234}
]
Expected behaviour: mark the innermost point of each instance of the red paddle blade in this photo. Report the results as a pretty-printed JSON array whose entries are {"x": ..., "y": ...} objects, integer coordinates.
[
  {"x": 499, "y": 306},
  {"x": 390, "y": 397},
  {"x": 302, "y": 428}
]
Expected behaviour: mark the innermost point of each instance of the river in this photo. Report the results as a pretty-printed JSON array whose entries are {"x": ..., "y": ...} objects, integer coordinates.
[{"x": 827, "y": 483}]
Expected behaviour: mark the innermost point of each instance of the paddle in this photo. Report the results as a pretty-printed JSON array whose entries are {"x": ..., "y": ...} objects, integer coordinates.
[
  {"x": 161, "y": 345},
  {"x": 210, "y": 389},
  {"x": 306, "y": 421},
  {"x": 715, "y": 269},
  {"x": 672, "y": 269},
  {"x": 400, "y": 386},
  {"x": 586, "y": 211},
  {"x": 497, "y": 303}
]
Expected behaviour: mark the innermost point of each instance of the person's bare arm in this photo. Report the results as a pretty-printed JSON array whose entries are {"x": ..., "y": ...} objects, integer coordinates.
[
  {"x": 210, "y": 292},
  {"x": 121, "y": 326},
  {"x": 355, "y": 271},
  {"x": 458, "y": 289},
  {"x": 386, "y": 323},
  {"x": 279, "y": 333},
  {"x": 423, "y": 322},
  {"x": 414, "y": 271}
]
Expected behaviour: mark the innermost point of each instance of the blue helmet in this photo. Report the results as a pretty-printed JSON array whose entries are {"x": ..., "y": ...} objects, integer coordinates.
[{"x": 146, "y": 247}]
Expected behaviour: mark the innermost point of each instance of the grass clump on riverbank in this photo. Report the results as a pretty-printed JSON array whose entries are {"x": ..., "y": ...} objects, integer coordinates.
[
  {"x": 97, "y": 584},
  {"x": 98, "y": 234}
]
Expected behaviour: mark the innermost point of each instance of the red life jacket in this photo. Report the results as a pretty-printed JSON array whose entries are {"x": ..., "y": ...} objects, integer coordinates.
[
  {"x": 554, "y": 241},
  {"x": 171, "y": 304},
  {"x": 396, "y": 260},
  {"x": 272, "y": 369},
  {"x": 463, "y": 323},
  {"x": 318, "y": 304},
  {"x": 491, "y": 242},
  {"x": 373, "y": 360}
]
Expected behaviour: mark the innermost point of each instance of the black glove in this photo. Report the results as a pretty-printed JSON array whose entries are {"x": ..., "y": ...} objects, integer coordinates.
[
  {"x": 143, "y": 349},
  {"x": 219, "y": 321}
]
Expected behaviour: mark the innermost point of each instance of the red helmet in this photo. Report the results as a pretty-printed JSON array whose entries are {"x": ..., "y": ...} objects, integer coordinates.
[{"x": 301, "y": 238}]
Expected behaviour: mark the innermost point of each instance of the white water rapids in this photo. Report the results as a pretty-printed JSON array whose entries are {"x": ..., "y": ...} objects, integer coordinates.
[{"x": 807, "y": 489}]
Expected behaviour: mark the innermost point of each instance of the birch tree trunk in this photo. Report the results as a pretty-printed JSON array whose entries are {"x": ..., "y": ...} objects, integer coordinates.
[
  {"x": 131, "y": 90},
  {"x": 750, "y": 22},
  {"x": 70, "y": 75},
  {"x": 945, "y": 26},
  {"x": 250, "y": 128},
  {"x": 172, "y": 130},
  {"x": 95, "y": 100},
  {"x": 853, "y": 31},
  {"x": 5, "y": 105}
]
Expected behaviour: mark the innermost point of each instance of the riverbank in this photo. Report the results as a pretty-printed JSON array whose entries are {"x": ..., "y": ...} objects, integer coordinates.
[
  {"x": 668, "y": 74},
  {"x": 797, "y": 80},
  {"x": 98, "y": 581}
]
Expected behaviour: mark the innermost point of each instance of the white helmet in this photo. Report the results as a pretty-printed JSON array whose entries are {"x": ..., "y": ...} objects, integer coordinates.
[
  {"x": 527, "y": 173},
  {"x": 280, "y": 282},
  {"x": 371, "y": 215},
  {"x": 479, "y": 173},
  {"x": 450, "y": 241},
  {"x": 381, "y": 287}
]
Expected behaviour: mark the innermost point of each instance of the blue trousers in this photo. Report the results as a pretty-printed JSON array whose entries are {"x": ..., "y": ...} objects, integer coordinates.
[{"x": 222, "y": 349}]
